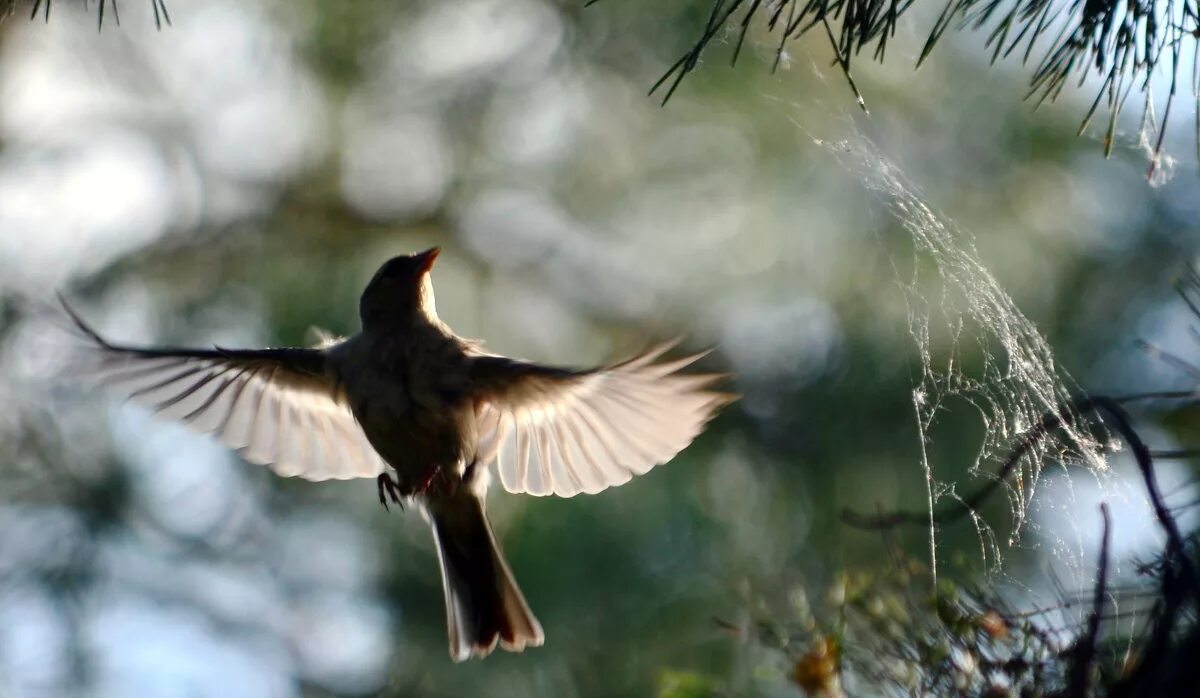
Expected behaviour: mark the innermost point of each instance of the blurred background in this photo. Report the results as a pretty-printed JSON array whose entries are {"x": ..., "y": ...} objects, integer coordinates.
[{"x": 237, "y": 177}]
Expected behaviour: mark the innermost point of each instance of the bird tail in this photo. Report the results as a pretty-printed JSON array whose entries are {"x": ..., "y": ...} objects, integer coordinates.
[{"x": 483, "y": 604}]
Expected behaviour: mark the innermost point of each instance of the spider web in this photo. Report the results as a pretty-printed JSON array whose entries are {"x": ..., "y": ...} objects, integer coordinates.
[{"x": 977, "y": 350}]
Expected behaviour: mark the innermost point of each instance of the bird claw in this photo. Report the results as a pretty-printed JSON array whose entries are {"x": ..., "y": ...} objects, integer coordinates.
[{"x": 389, "y": 488}]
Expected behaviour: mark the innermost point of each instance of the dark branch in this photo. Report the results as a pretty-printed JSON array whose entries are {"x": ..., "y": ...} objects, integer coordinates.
[
  {"x": 1047, "y": 424},
  {"x": 1119, "y": 419},
  {"x": 1085, "y": 647},
  {"x": 1175, "y": 548}
]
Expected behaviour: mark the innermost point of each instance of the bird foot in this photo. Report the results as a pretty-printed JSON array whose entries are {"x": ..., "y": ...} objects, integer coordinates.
[{"x": 390, "y": 489}]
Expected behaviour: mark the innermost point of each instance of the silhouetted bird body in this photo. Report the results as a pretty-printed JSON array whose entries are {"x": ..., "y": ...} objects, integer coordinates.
[
  {"x": 406, "y": 393},
  {"x": 417, "y": 412}
]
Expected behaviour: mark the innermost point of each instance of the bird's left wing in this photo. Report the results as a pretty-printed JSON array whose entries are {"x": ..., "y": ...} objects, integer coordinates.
[
  {"x": 559, "y": 431},
  {"x": 277, "y": 407}
]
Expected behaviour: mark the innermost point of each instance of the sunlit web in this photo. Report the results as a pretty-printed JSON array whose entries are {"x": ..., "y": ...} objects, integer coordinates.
[{"x": 956, "y": 307}]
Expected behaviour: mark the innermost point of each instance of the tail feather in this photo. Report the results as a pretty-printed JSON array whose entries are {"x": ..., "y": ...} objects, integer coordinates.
[{"x": 484, "y": 607}]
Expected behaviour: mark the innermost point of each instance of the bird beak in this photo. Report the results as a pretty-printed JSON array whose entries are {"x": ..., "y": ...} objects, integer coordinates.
[{"x": 428, "y": 257}]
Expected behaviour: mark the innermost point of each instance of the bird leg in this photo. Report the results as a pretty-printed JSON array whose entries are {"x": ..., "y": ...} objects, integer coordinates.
[
  {"x": 389, "y": 488},
  {"x": 428, "y": 480}
]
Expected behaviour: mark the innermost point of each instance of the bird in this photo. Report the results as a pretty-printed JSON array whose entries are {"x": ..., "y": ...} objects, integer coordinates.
[{"x": 428, "y": 414}]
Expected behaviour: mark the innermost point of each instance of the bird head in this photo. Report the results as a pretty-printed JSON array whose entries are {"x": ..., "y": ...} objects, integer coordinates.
[{"x": 401, "y": 292}]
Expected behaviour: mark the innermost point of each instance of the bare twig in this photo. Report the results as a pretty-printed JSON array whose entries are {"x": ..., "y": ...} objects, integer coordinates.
[
  {"x": 1141, "y": 453},
  {"x": 1085, "y": 647},
  {"x": 1047, "y": 424}
]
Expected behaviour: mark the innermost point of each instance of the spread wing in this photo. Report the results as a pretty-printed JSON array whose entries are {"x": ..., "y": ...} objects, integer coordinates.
[
  {"x": 558, "y": 431},
  {"x": 277, "y": 407}
]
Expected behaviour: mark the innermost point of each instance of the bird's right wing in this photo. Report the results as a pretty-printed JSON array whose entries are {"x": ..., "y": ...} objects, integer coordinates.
[
  {"x": 277, "y": 407},
  {"x": 560, "y": 431}
]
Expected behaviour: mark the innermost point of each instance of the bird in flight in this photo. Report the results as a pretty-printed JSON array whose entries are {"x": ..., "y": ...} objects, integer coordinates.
[{"x": 427, "y": 413}]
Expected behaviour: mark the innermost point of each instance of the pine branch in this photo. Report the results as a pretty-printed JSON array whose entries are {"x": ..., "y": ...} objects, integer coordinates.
[
  {"x": 1120, "y": 41},
  {"x": 103, "y": 7}
]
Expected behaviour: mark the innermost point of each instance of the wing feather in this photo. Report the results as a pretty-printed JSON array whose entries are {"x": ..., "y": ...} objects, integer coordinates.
[
  {"x": 559, "y": 431},
  {"x": 580, "y": 438},
  {"x": 537, "y": 474},
  {"x": 277, "y": 407},
  {"x": 569, "y": 473}
]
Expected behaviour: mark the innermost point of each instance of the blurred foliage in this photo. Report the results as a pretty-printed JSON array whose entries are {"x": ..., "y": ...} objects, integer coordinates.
[
  {"x": 686, "y": 684},
  {"x": 1122, "y": 44},
  {"x": 238, "y": 178},
  {"x": 893, "y": 629}
]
